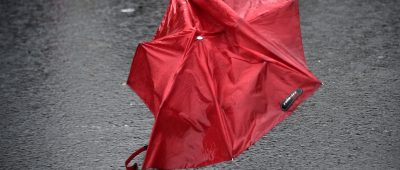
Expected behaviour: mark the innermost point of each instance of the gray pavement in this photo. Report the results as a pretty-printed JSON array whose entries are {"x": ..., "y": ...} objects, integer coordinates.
[{"x": 63, "y": 104}]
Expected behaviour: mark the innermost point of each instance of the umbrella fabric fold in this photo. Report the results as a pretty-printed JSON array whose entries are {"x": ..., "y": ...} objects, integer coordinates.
[{"x": 217, "y": 76}]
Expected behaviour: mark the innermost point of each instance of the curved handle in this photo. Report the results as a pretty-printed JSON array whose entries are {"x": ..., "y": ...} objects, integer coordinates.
[{"x": 134, "y": 154}]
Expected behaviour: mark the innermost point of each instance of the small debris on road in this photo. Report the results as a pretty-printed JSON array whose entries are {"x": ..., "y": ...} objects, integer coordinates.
[{"x": 128, "y": 10}]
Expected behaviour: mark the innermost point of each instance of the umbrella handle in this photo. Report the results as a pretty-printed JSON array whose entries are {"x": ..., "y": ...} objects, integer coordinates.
[{"x": 134, "y": 154}]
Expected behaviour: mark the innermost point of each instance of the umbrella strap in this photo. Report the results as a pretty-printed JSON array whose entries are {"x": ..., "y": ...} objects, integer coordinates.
[{"x": 134, "y": 154}]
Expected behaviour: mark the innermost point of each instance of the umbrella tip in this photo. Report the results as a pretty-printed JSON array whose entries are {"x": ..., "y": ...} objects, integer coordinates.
[{"x": 199, "y": 37}]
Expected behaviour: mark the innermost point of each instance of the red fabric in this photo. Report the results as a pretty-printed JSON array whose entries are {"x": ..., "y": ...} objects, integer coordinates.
[{"x": 215, "y": 76}]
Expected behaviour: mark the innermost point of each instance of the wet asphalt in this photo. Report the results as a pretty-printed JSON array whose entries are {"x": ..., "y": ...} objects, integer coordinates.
[{"x": 64, "y": 104}]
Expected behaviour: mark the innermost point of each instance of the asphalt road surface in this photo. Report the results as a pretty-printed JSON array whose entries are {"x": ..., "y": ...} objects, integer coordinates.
[{"x": 63, "y": 104}]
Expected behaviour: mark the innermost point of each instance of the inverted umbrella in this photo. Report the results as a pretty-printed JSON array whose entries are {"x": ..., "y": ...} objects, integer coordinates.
[{"x": 217, "y": 76}]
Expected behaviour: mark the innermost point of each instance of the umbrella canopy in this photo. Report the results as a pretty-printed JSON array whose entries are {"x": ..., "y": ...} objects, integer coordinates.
[{"x": 217, "y": 76}]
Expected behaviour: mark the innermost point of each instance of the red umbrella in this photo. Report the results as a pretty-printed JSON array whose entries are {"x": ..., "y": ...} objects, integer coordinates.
[{"x": 217, "y": 76}]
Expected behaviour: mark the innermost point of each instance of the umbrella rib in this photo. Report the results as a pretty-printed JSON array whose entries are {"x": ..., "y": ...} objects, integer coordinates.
[
  {"x": 211, "y": 84},
  {"x": 171, "y": 82}
]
